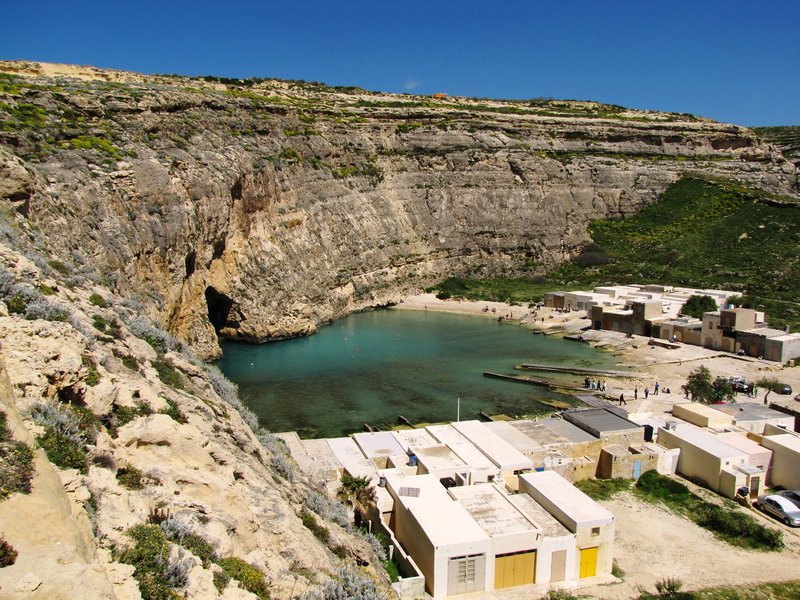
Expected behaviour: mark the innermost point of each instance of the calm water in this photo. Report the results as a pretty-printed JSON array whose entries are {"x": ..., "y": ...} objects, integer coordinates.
[{"x": 372, "y": 367}]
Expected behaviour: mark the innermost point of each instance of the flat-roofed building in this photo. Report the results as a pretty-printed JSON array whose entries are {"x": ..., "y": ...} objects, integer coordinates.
[
  {"x": 606, "y": 425},
  {"x": 702, "y": 415},
  {"x": 448, "y": 546},
  {"x": 561, "y": 435},
  {"x": 381, "y": 448},
  {"x": 506, "y": 457},
  {"x": 441, "y": 461},
  {"x": 785, "y": 470},
  {"x": 313, "y": 457},
  {"x": 754, "y": 417},
  {"x": 757, "y": 455},
  {"x": 703, "y": 455},
  {"x": 522, "y": 547},
  {"x": 525, "y": 444},
  {"x": 351, "y": 458},
  {"x": 592, "y": 524},
  {"x": 483, "y": 469},
  {"x": 411, "y": 439}
]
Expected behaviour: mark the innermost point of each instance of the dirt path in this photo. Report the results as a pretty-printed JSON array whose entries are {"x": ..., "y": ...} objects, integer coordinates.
[{"x": 653, "y": 543}]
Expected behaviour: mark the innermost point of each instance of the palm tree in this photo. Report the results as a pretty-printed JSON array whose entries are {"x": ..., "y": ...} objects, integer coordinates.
[{"x": 359, "y": 494}]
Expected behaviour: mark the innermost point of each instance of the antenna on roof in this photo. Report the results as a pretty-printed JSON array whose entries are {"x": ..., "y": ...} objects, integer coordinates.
[{"x": 458, "y": 409}]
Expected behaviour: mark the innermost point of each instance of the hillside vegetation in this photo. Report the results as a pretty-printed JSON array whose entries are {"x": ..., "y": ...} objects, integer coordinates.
[
  {"x": 700, "y": 233},
  {"x": 787, "y": 138}
]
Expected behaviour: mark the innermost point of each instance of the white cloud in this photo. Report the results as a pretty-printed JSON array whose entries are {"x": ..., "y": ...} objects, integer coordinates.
[{"x": 412, "y": 84}]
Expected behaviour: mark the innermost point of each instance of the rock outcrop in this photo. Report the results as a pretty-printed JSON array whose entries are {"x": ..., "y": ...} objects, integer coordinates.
[
  {"x": 160, "y": 443},
  {"x": 259, "y": 210}
]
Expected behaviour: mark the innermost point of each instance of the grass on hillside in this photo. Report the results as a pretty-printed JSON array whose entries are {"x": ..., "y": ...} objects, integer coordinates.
[
  {"x": 699, "y": 234},
  {"x": 727, "y": 523},
  {"x": 603, "y": 489}
]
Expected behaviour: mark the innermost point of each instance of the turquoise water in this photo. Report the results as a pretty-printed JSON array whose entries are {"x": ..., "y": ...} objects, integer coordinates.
[{"x": 372, "y": 367}]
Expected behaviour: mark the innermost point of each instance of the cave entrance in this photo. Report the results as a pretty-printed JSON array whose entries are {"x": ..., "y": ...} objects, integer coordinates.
[{"x": 221, "y": 310}]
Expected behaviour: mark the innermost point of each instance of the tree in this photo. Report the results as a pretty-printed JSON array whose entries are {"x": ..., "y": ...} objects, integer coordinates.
[
  {"x": 699, "y": 385},
  {"x": 701, "y": 388},
  {"x": 770, "y": 384},
  {"x": 357, "y": 492},
  {"x": 696, "y": 306}
]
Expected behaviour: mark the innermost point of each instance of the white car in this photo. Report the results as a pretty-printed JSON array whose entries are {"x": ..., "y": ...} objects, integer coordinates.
[{"x": 781, "y": 508}]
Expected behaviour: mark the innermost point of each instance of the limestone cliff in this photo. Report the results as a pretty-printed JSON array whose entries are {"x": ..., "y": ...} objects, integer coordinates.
[
  {"x": 140, "y": 433},
  {"x": 259, "y": 209}
]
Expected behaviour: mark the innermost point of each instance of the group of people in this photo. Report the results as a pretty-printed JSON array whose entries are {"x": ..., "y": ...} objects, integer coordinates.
[
  {"x": 656, "y": 389},
  {"x": 594, "y": 384}
]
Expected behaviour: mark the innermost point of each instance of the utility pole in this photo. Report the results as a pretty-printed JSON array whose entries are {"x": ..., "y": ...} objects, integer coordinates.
[{"x": 458, "y": 410}]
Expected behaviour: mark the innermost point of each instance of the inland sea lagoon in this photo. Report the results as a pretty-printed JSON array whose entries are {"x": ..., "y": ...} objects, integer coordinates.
[{"x": 371, "y": 367}]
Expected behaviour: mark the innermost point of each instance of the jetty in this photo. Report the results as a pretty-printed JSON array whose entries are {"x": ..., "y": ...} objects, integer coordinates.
[
  {"x": 574, "y": 370},
  {"x": 533, "y": 381}
]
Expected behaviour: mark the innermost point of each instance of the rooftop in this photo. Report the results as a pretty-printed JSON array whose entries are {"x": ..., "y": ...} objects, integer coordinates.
[
  {"x": 465, "y": 450},
  {"x": 411, "y": 439},
  {"x": 703, "y": 440},
  {"x": 750, "y": 411},
  {"x": 600, "y": 420},
  {"x": 443, "y": 520},
  {"x": 500, "y": 452},
  {"x": 378, "y": 443},
  {"x": 553, "y": 431},
  {"x": 515, "y": 437},
  {"x": 351, "y": 458},
  {"x": 439, "y": 457},
  {"x": 567, "y": 499},
  {"x": 492, "y": 511},
  {"x": 787, "y": 440}
]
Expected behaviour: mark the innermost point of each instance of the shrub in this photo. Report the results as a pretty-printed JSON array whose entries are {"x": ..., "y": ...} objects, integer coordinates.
[
  {"x": 150, "y": 555},
  {"x": 310, "y": 522},
  {"x": 603, "y": 489},
  {"x": 221, "y": 579},
  {"x": 251, "y": 578},
  {"x": 17, "y": 303},
  {"x": 59, "y": 266},
  {"x": 284, "y": 467},
  {"x": 79, "y": 426},
  {"x": 16, "y": 468},
  {"x": 62, "y": 450},
  {"x": 160, "y": 340},
  {"x": 173, "y": 411},
  {"x": 105, "y": 461},
  {"x": 229, "y": 393},
  {"x": 130, "y": 362},
  {"x": 92, "y": 376},
  {"x": 8, "y": 555},
  {"x": 130, "y": 477},
  {"x": 98, "y": 301},
  {"x": 348, "y": 583},
  {"x": 376, "y": 545},
  {"x": 167, "y": 373},
  {"x": 41, "y": 308}
]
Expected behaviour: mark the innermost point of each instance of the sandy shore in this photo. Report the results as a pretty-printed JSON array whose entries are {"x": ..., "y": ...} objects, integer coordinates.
[{"x": 651, "y": 542}]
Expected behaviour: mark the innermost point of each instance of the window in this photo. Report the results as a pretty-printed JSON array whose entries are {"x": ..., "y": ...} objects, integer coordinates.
[{"x": 595, "y": 531}]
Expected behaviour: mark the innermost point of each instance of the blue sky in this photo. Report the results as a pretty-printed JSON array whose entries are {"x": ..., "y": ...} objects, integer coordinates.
[{"x": 730, "y": 60}]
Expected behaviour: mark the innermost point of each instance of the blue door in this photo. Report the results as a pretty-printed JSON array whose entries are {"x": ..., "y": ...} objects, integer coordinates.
[{"x": 637, "y": 469}]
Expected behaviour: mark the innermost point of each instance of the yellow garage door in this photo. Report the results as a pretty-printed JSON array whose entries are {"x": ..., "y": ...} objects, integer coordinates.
[
  {"x": 518, "y": 568},
  {"x": 589, "y": 562}
]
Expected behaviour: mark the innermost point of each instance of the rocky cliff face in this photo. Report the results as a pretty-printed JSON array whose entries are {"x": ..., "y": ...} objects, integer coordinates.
[
  {"x": 258, "y": 210},
  {"x": 139, "y": 434}
]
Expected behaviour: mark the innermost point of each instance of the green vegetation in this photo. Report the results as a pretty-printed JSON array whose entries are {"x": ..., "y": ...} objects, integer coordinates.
[
  {"x": 701, "y": 388},
  {"x": 131, "y": 478},
  {"x": 786, "y": 138},
  {"x": 173, "y": 411},
  {"x": 727, "y": 523},
  {"x": 149, "y": 555},
  {"x": 23, "y": 116},
  {"x": 696, "y": 306},
  {"x": 251, "y": 578},
  {"x": 91, "y": 142},
  {"x": 320, "y": 532},
  {"x": 514, "y": 290},
  {"x": 98, "y": 301},
  {"x": 167, "y": 373},
  {"x": 62, "y": 450},
  {"x": 16, "y": 463},
  {"x": 670, "y": 589},
  {"x": 92, "y": 376},
  {"x": 603, "y": 489},
  {"x": 770, "y": 384},
  {"x": 701, "y": 233},
  {"x": 58, "y": 266}
]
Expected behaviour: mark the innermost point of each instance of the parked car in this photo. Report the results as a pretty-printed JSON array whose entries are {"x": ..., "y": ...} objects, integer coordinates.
[
  {"x": 793, "y": 495},
  {"x": 781, "y": 508},
  {"x": 740, "y": 384},
  {"x": 784, "y": 388}
]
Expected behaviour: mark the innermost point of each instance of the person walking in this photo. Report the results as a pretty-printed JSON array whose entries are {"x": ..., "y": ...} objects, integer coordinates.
[
  {"x": 636, "y": 393},
  {"x": 622, "y": 400},
  {"x": 655, "y": 389},
  {"x": 646, "y": 392}
]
